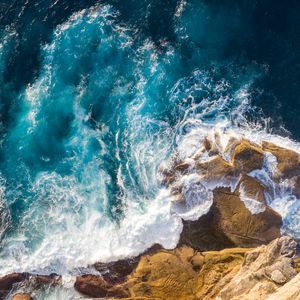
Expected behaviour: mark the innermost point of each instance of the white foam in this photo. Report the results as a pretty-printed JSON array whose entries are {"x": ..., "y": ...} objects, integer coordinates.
[{"x": 197, "y": 199}]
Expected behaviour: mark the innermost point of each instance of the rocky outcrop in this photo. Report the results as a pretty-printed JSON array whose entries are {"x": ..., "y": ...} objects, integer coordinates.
[
  {"x": 289, "y": 291},
  {"x": 229, "y": 223},
  {"x": 263, "y": 271},
  {"x": 176, "y": 274},
  {"x": 239, "y": 214},
  {"x": 11, "y": 282},
  {"x": 96, "y": 286},
  {"x": 215, "y": 257},
  {"x": 186, "y": 274},
  {"x": 7, "y": 282}
]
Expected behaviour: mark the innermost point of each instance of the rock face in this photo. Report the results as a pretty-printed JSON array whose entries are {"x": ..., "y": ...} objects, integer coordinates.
[
  {"x": 263, "y": 270},
  {"x": 239, "y": 214},
  {"x": 186, "y": 274},
  {"x": 177, "y": 274},
  {"x": 229, "y": 223}
]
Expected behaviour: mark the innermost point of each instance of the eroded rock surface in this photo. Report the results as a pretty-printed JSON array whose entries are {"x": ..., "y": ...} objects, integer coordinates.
[
  {"x": 263, "y": 271},
  {"x": 187, "y": 274},
  {"x": 176, "y": 274}
]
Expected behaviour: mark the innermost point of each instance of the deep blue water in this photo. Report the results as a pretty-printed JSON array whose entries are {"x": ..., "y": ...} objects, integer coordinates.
[{"x": 94, "y": 96}]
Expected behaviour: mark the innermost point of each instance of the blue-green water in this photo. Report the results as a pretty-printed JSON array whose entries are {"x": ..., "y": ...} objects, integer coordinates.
[{"x": 95, "y": 96}]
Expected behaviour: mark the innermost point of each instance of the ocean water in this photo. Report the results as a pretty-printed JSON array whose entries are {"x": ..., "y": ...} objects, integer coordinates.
[{"x": 95, "y": 96}]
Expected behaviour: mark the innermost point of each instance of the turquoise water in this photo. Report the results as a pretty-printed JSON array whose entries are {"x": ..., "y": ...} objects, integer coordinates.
[{"x": 83, "y": 139}]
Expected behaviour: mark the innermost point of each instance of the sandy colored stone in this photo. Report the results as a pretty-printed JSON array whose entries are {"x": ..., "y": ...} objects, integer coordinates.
[
  {"x": 263, "y": 271},
  {"x": 22, "y": 297}
]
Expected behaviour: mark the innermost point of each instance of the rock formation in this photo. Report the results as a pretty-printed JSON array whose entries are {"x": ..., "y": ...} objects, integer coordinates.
[
  {"x": 215, "y": 257},
  {"x": 239, "y": 214},
  {"x": 186, "y": 274}
]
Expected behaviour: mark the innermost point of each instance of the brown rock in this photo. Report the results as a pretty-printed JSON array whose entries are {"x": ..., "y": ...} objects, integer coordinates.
[
  {"x": 22, "y": 297},
  {"x": 96, "y": 286},
  {"x": 91, "y": 285},
  {"x": 116, "y": 272},
  {"x": 296, "y": 184},
  {"x": 216, "y": 169},
  {"x": 239, "y": 225},
  {"x": 229, "y": 223},
  {"x": 203, "y": 234},
  {"x": 251, "y": 188},
  {"x": 288, "y": 160},
  {"x": 36, "y": 281},
  {"x": 247, "y": 157},
  {"x": 7, "y": 282},
  {"x": 44, "y": 280},
  {"x": 183, "y": 274}
]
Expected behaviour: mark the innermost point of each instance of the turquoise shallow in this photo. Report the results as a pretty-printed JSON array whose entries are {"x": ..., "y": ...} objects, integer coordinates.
[{"x": 94, "y": 97}]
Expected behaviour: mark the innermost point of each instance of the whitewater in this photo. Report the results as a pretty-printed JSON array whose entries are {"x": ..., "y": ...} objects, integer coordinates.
[{"x": 80, "y": 162}]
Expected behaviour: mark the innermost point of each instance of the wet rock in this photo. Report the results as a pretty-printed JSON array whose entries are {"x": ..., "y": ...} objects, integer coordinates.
[
  {"x": 203, "y": 235},
  {"x": 91, "y": 285},
  {"x": 7, "y": 282},
  {"x": 45, "y": 280},
  {"x": 251, "y": 188},
  {"x": 96, "y": 286},
  {"x": 216, "y": 169},
  {"x": 296, "y": 186},
  {"x": 229, "y": 223},
  {"x": 247, "y": 157},
  {"x": 239, "y": 225},
  {"x": 288, "y": 160}
]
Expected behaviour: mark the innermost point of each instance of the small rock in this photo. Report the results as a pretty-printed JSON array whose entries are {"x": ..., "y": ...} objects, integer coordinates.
[
  {"x": 22, "y": 297},
  {"x": 278, "y": 277}
]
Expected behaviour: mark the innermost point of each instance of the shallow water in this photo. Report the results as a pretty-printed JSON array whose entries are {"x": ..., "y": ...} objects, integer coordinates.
[{"x": 95, "y": 97}]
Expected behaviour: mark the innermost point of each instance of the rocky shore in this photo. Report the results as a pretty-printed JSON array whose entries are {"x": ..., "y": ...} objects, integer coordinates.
[{"x": 235, "y": 248}]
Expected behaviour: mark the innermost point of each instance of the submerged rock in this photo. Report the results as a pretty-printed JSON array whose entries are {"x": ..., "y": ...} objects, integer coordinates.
[
  {"x": 7, "y": 282},
  {"x": 11, "y": 282},
  {"x": 175, "y": 274}
]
